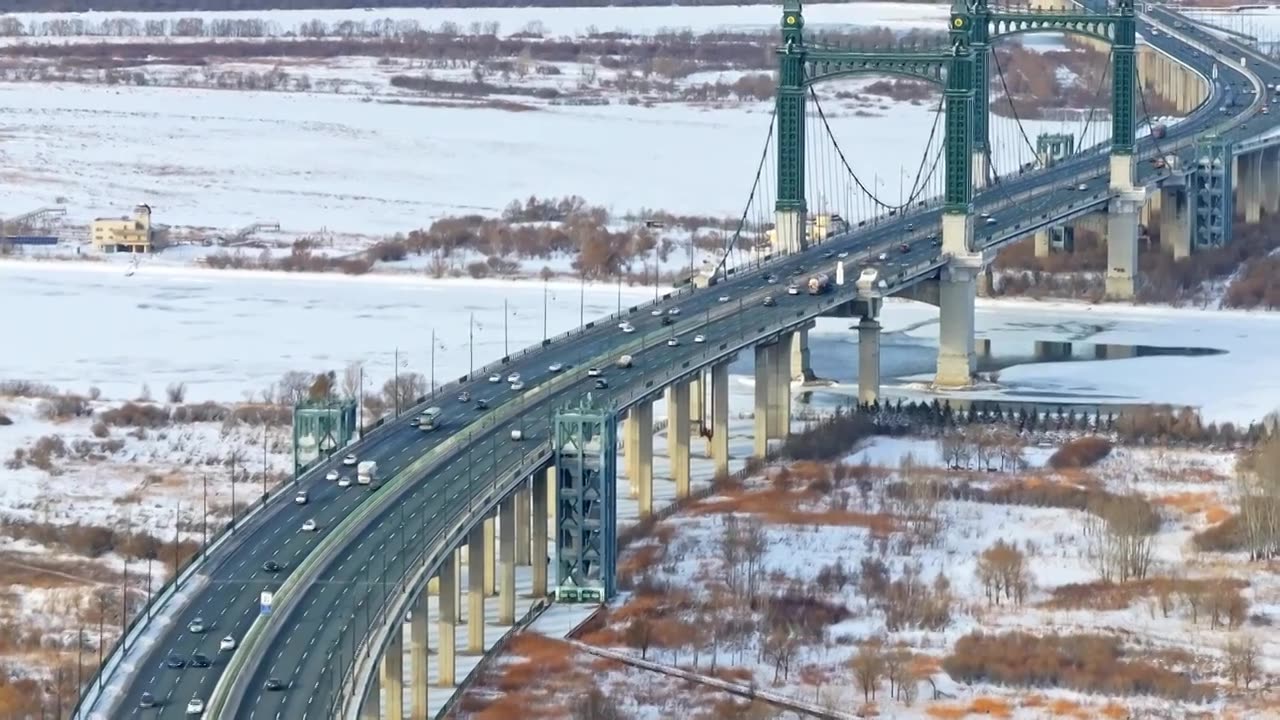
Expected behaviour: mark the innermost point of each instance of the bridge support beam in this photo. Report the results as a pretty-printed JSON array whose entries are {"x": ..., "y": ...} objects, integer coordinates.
[
  {"x": 1042, "y": 243},
  {"x": 697, "y": 402},
  {"x": 419, "y": 652},
  {"x": 1175, "y": 221},
  {"x": 791, "y": 226},
  {"x": 640, "y": 425},
  {"x": 763, "y": 386},
  {"x": 720, "y": 418},
  {"x": 780, "y": 393},
  {"x": 507, "y": 561},
  {"x": 448, "y": 620},
  {"x": 1270, "y": 178},
  {"x": 678, "y": 437},
  {"x": 1122, "y": 242},
  {"x": 522, "y": 524},
  {"x": 1251, "y": 186},
  {"x": 490, "y": 556},
  {"x": 868, "y": 359},
  {"x": 542, "y": 488},
  {"x": 475, "y": 589},
  {"x": 371, "y": 708},
  {"x": 957, "y": 291},
  {"x": 393, "y": 675},
  {"x": 801, "y": 370}
]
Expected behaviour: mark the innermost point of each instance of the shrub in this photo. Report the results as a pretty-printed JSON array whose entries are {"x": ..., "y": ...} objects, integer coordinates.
[
  {"x": 5, "y": 420},
  {"x": 1226, "y": 536},
  {"x": 62, "y": 407},
  {"x": 27, "y": 389},
  {"x": 201, "y": 412},
  {"x": 138, "y": 415},
  {"x": 1079, "y": 453},
  {"x": 100, "y": 429},
  {"x": 176, "y": 392}
]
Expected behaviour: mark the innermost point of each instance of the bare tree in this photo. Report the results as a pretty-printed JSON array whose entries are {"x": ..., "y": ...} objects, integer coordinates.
[
  {"x": 868, "y": 667},
  {"x": 1242, "y": 661},
  {"x": 404, "y": 390},
  {"x": 595, "y": 705},
  {"x": 351, "y": 376},
  {"x": 293, "y": 386},
  {"x": 1118, "y": 538},
  {"x": 755, "y": 544},
  {"x": 176, "y": 392},
  {"x": 639, "y": 635},
  {"x": 322, "y": 386},
  {"x": 1002, "y": 569}
]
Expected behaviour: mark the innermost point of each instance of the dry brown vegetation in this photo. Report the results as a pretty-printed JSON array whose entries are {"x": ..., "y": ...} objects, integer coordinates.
[
  {"x": 1080, "y": 453},
  {"x": 1087, "y": 663}
]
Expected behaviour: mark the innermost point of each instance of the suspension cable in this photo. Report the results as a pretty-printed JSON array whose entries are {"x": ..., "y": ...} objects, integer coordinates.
[{"x": 755, "y": 185}]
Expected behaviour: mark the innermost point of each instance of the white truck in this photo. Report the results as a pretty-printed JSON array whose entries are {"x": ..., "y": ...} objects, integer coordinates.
[
  {"x": 429, "y": 419},
  {"x": 624, "y": 361},
  {"x": 367, "y": 473}
]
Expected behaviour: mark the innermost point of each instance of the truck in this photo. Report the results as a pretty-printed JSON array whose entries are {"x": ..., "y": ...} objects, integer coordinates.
[
  {"x": 367, "y": 473},
  {"x": 819, "y": 284},
  {"x": 1158, "y": 131},
  {"x": 429, "y": 419},
  {"x": 624, "y": 362}
]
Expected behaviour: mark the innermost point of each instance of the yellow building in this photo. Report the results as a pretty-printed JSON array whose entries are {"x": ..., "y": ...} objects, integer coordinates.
[{"x": 124, "y": 233}]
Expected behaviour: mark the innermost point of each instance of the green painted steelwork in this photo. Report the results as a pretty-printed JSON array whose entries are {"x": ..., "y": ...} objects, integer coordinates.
[
  {"x": 585, "y": 457},
  {"x": 321, "y": 427},
  {"x": 980, "y": 41},
  {"x": 790, "y": 110},
  {"x": 1053, "y": 148},
  {"x": 958, "y": 193}
]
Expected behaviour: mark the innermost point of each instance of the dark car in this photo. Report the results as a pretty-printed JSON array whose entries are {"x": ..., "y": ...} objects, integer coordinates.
[
  {"x": 147, "y": 700},
  {"x": 769, "y": 301},
  {"x": 905, "y": 248},
  {"x": 274, "y": 684},
  {"x": 200, "y": 661},
  {"x": 482, "y": 404},
  {"x": 271, "y": 566},
  {"x": 464, "y": 396},
  {"x": 176, "y": 662},
  {"x": 601, "y": 383},
  {"x": 666, "y": 320}
]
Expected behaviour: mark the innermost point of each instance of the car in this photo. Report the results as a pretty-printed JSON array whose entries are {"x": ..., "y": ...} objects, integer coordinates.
[
  {"x": 842, "y": 254},
  {"x": 771, "y": 280},
  {"x": 495, "y": 377},
  {"x": 991, "y": 221},
  {"x": 147, "y": 700},
  {"x": 793, "y": 290},
  {"x": 668, "y": 320},
  {"x": 331, "y": 475},
  {"x": 770, "y": 302},
  {"x": 1082, "y": 187},
  {"x": 904, "y": 248},
  {"x": 200, "y": 661},
  {"x": 350, "y": 459},
  {"x": 513, "y": 377},
  {"x": 177, "y": 662},
  {"x": 699, "y": 338},
  {"x": 555, "y": 367},
  {"x": 882, "y": 257},
  {"x": 724, "y": 298},
  {"x": 674, "y": 311},
  {"x": 197, "y": 626},
  {"x": 195, "y": 706},
  {"x": 482, "y": 404},
  {"x": 227, "y": 644},
  {"x": 271, "y": 566},
  {"x": 628, "y": 328},
  {"x": 344, "y": 482},
  {"x": 655, "y": 312},
  {"x": 984, "y": 215},
  {"x": 910, "y": 227},
  {"x": 593, "y": 372},
  {"x": 301, "y": 498},
  {"x": 673, "y": 342},
  {"x": 517, "y": 385},
  {"x": 273, "y": 684},
  {"x": 1266, "y": 110},
  {"x": 828, "y": 254},
  {"x": 415, "y": 421},
  {"x": 310, "y": 526},
  {"x": 601, "y": 383},
  {"x": 464, "y": 396}
]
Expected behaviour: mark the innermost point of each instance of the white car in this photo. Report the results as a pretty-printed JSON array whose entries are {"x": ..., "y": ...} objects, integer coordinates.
[
  {"x": 627, "y": 328},
  {"x": 724, "y": 298},
  {"x": 495, "y": 378},
  {"x": 991, "y": 221},
  {"x": 655, "y": 312},
  {"x": 793, "y": 290},
  {"x": 228, "y": 644},
  {"x": 344, "y": 482},
  {"x": 842, "y": 254},
  {"x": 195, "y": 707},
  {"x": 674, "y": 311},
  {"x": 309, "y": 526},
  {"x": 556, "y": 367},
  {"x": 882, "y": 257},
  {"x": 517, "y": 385},
  {"x": 1082, "y": 187},
  {"x": 593, "y": 372},
  {"x": 699, "y": 338},
  {"x": 331, "y": 475},
  {"x": 513, "y": 377},
  {"x": 673, "y": 342},
  {"x": 349, "y": 459},
  {"x": 197, "y": 626},
  {"x": 301, "y": 498}
]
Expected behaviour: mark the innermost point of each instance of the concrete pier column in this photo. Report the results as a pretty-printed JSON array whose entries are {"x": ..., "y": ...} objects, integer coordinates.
[
  {"x": 780, "y": 393},
  {"x": 1042, "y": 243},
  {"x": 540, "y": 547},
  {"x": 522, "y": 525},
  {"x": 1251, "y": 186},
  {"x": 1270, "y": 176},
  {"x": 868, "y": 360},
  {"x": 720, "y": 418},
  {"x": 697, "y": 402},
  {"x": 643, "y": 412},
  {"x": 507, "y": 562},
  {"x": 475, "y": 589},
  {"x": 371, "y": 708},
  {"x": 393, "y": 675},
  {"x": 490, "y": 556},
  {"x": 1175, "y": 222},
  {"x": 419, "y": 652},
  {"x": 957, "y": 291},
  {"x": 763, "y": 385},
  {"x": 1122, "y": 243},
  {"x": 631, "y": 451},
  {"x": 801, "y": 370},
  {"x": 790, "y": 227},
  {"x": 678, "y": 437},
  {"x": 448, "y": 622}
]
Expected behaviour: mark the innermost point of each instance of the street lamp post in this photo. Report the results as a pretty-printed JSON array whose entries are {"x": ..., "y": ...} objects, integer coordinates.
[
  {"x": 506, "y": 352},
  {"x": 433, "y": 361},
  {"x": 396, "y": 380},
  {"x": 544, "y": 310}
]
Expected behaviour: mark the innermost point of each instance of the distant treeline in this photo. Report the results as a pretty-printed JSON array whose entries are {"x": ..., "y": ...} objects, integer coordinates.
[{"x": 207, "y": 5}]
